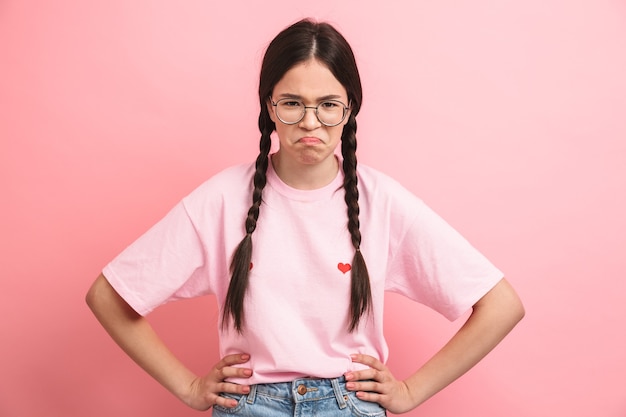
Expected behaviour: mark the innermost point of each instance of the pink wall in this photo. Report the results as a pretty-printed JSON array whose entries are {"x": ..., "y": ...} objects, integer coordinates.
[{"x": 508, "y": 118}]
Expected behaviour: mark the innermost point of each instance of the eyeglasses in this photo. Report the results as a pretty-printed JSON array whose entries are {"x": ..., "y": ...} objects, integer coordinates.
[{"x": 329, "y": 112}]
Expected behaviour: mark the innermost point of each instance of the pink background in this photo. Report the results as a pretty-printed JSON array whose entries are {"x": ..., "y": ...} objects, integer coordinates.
[{"x": 508, "y": 118}]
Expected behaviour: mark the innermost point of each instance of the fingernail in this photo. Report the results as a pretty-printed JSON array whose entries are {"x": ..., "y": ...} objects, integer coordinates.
[
  {"x": 245, "y": 356},
  {"x": 247, "y": 372},
  {"x": 350, "y": 385},
  {"x": 353, "y": 356},
  {"x": 348, "y": 376}
]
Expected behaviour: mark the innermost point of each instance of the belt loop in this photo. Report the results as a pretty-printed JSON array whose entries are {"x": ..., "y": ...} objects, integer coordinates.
[
  {"x": 338, "y": 394},
  {"x": 251, "y": 394}
]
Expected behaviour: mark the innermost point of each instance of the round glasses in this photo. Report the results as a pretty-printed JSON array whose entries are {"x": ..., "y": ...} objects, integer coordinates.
[{"x": 291, "y": 111}]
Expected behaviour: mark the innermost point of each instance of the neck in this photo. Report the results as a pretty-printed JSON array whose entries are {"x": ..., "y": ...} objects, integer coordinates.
[{"x": 305, "y": 177}]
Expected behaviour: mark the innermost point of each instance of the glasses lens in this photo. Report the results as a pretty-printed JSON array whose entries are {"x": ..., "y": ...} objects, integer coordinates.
[
  {"x": 330, "y": 112},
  {"x": 290, "y": 111}
]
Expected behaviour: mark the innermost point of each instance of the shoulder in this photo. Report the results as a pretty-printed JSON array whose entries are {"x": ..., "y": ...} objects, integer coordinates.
[
  {"x": 379, "y": 187},
  {"x": 371, "y": 176},
  {"x": 240, "y": 175},
  {"x": 231, "y": 184}
]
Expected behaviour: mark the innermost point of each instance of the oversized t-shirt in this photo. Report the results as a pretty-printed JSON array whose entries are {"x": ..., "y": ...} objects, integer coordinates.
[{"x": 296, "y": 307}]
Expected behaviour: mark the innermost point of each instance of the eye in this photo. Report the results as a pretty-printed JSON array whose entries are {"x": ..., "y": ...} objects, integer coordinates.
[
  {"x": 290, "y": 103},
  {"x": 329, "y": 104}
]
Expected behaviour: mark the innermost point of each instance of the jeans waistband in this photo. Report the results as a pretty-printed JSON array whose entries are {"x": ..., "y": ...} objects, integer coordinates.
[{"x": 303, "y": 390}]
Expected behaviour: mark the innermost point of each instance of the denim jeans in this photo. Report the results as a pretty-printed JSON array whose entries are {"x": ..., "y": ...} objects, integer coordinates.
[{"x": 300, "y": 398}]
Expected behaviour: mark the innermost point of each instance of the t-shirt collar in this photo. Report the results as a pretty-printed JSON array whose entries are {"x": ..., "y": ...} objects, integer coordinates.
[{"x": 324, "y": 193}]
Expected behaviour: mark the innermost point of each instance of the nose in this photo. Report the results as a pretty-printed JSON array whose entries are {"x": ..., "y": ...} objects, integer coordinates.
[{"x": 310, "y": 120}]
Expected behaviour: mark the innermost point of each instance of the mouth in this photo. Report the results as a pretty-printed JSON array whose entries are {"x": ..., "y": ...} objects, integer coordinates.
[{"x": 309, "y": 140}]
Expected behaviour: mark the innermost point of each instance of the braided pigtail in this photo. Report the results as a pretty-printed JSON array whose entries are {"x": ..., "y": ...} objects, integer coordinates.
[
  {"x": 242, "y": 257},
  {"x": 360, "y": 292}
]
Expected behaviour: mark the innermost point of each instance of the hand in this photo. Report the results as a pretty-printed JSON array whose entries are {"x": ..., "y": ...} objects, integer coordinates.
[
  {"x": 205, "y": 391},
  {"x": 377, "y": 384}
]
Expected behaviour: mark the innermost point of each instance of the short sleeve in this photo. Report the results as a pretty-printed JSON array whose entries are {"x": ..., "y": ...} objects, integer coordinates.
[
  {"x": 164, "y": 264},
  {"x": 436, "y": 266}
]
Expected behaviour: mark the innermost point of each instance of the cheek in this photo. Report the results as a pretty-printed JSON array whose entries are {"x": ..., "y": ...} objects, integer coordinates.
[
  {"x": 337, "y": 132},
  {"x": 281, "y": 131}
]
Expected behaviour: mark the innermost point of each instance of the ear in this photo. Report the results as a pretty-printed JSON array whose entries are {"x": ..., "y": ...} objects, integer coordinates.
[
  {"x": 270, "y": 110},
  {"x": 348, "y": 113}
]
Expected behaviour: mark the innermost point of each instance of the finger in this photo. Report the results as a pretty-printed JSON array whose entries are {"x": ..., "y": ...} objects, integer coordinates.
[
  {"x": 361, "y": 375},
  {"x": 369, "y": 386},
  {"x": 235, "y": 372},
  {"x": 225, "y": 402},
  {"x": 368, "y": 360},
  {"x": 224, "y": 369},
  {"x": 234, "y": 388},
  {"x": 235, "y": 359},
  {"x": 370, "y": 396}
]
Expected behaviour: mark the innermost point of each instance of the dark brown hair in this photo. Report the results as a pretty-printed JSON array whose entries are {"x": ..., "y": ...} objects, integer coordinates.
[{"x": 298, "y": 43}]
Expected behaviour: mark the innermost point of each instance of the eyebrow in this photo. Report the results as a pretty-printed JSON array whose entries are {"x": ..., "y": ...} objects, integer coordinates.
[{"x": 323, "y": 98}]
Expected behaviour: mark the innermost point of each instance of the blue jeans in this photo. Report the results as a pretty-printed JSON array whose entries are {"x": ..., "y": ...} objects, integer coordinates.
[{"x": 300, "y": 398}]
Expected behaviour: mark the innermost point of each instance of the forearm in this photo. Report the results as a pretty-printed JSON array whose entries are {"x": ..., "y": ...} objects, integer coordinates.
[
  {"x": 491, "y": 320},
  {"x": 137, "y": 338}
]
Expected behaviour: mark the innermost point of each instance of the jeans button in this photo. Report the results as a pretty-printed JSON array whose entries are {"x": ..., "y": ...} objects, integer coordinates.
[{"x": 301, "y": 389}]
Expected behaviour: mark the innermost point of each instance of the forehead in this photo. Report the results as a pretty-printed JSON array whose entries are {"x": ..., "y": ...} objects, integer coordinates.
[{"x": 309, "y": 80}]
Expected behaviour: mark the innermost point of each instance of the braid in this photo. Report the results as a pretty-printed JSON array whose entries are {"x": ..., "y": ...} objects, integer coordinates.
[
  {"x": 360, "y": 291},
  {"x": 240, "y": 265}
]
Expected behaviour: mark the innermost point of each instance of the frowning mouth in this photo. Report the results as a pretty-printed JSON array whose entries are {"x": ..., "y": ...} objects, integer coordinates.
[{"x": 308, "y": 140}]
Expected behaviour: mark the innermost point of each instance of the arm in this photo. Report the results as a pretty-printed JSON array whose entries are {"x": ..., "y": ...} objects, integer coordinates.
[
  {"x": 136, "y": 337},
  {"x": 492, "y": 318}
]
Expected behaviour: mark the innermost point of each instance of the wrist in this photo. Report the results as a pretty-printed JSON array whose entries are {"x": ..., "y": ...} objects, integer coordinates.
[
  {"x": 190, "y": 394},
  {"x": 417, "y": 392}
]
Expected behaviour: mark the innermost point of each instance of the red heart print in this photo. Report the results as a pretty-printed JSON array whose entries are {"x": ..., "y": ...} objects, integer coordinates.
[{"x": 344, "y": 267}]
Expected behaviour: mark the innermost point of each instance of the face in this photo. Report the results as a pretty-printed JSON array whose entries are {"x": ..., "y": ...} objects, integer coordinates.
[{"x": 308, "y": 142}]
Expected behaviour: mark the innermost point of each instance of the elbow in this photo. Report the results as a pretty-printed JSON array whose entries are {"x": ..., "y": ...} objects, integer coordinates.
[
  {"x": 518, "y": 311},
  {"x": 91, "y": 298},
  {"x": 516, "y": 307},
  {"x": 503, "y": 303},
  {"x": 515, "y": 310},
  {"x": 95, "y": 293},
  {"x": 513, "y": 306},
  {"x": 106, "y": 303}
]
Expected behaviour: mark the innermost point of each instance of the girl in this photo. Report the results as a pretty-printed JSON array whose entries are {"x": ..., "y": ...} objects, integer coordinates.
[{"x": 299, "y": 248}]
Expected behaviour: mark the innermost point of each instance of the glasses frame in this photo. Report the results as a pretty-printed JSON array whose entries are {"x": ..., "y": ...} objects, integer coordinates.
[{"x": 343, "y": 117}]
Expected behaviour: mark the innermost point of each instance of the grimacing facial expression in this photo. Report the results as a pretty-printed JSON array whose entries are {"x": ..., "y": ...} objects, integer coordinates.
[{"x": 308, "y": 141}]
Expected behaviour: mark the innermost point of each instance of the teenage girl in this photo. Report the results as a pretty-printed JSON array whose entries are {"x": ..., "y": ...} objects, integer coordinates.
[{"x": 299, "y": 248}]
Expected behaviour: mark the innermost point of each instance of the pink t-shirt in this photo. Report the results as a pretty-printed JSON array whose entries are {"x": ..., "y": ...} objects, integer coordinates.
[{"x": 296, "y": 306}]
